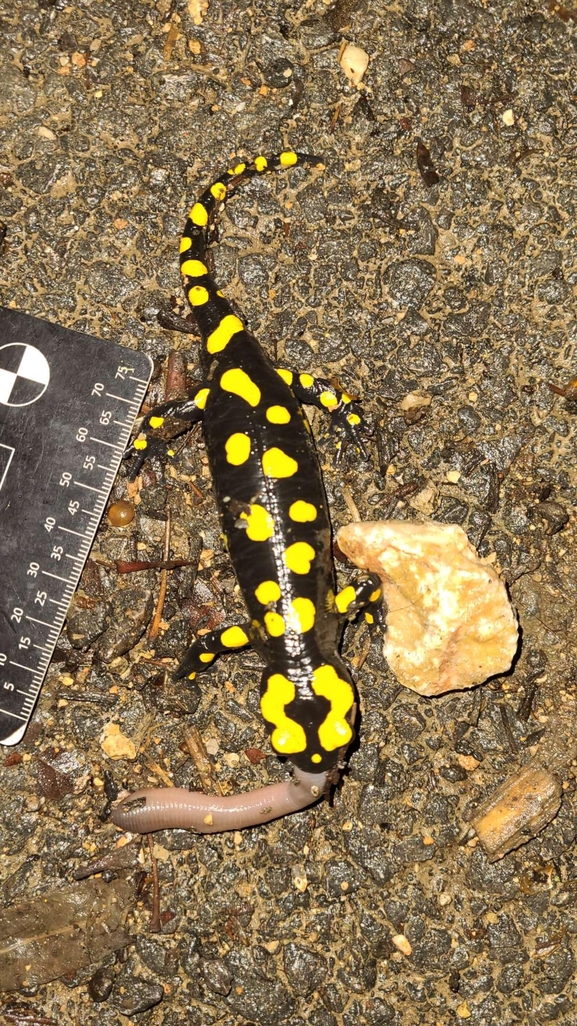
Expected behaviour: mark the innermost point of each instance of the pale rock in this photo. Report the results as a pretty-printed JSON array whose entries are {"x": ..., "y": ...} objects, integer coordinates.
[{"x": 450, "y": 624}]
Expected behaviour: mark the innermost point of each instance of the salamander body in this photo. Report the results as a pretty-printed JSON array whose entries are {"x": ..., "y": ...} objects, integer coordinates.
[{"x": 275, "y": 523}]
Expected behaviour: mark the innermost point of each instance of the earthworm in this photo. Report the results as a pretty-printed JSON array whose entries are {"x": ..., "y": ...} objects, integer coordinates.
[{"x": 162, "y": 808}]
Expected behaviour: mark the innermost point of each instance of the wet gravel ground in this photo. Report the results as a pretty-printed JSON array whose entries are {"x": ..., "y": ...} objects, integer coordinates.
[{"x": 113, "y": 116}]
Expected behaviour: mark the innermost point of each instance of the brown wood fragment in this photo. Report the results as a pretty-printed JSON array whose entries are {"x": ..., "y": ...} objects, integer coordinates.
[{"x": 523, "y": 804}]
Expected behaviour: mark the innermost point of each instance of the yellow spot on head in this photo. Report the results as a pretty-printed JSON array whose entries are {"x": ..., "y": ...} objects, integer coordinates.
[
  {"x": 156, "y": 422},
  {"x": 306, "y": 380},
  {"x": 301, "y": 616},
  {"x": 238, "y": 382},
  {"x": 237, "y": 449},
  {"x": 316, "y": 757},
  {"x": 218, "y": 190},
  {"x": 334, "y": 732},
  {"x": 345, "y": 598},
  {"x": 221, "y": 336},
  {"x": 268, "y": 591},
  {"x": 346, "y": 398},
  {"x": 206, "y": 657},
  {"x": 199, "y": 215},
  {"x": 278, "y": 415},
  {"x": 260, "y": 163},
  {"x": 193, "y": 268},
  {"x": 328, "y": 399},
  {"x": 288, "y": 737},
  {"x": 233, "y": 637},
  {"x": 238, "y": 170},
  {"x": 299, "y": 556},
  {"x": 274, "y": 624},
  {"x": 198, "y": 295},
  {"x": 302, "y": 511},
  {"x": 140, "y": 443},
  {"x": 375, "y": 595},
  {"x": 276, "y": 463},
  {"x": 185, "y": 243},
  {"x": 201, "y": 397},
  {"x": 260, "y": 524},
  {"x": 288, "y": 159},
  {"x": 354, "y": 419},
  {"x": 286, "y": 375}
]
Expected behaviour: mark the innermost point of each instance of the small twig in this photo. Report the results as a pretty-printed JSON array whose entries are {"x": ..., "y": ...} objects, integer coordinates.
[
  {"x": 155, "y": 924},
  {"x": 155, "y": 626},
  {"x": 351, "y": 504},
  {"x": 507, "y": 728},
  {"x": 202, "y": 763},
  {"x": 158, "y": 770}
]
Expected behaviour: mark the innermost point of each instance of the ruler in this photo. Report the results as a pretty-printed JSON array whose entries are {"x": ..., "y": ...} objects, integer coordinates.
[{"x": 68, "y": 403}]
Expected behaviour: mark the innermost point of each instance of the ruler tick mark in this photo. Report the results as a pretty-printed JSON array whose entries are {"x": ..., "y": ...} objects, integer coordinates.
[
  {"x": 31, "y": 669},
  {"x": 69, "y": 530},
  {"x": 121, "y": 398},
  {"x": 43, "y": 622},
  {"x": 91, "y": 488},
  {"x": 110, "y": 445},
  {"x": 57, "y": 577}
]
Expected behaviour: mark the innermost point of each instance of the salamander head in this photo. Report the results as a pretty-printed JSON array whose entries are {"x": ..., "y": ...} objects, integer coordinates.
[{"x": 311, "y": 718}]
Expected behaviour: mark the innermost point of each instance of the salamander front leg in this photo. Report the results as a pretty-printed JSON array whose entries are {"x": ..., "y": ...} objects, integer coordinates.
[
  {"x": 164, "y": 423},
  {"x": 345, "y": 412},
  {"x": 205, "y": 649},
  {"x": 364, "y": 593}
]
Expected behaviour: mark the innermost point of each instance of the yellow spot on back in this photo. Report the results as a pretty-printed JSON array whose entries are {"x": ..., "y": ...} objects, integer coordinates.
[
  {"x": 301, "y": 615},
  {"x": 221, "y": 336},
  {"x": 140, "y": 443},
  {"x": 260, "y": 524},
  {"x": 201, "y": 397},
  {"x": 302, "y": 511},
  {"x": 276, "y": 463},
  {"x": 199, "y": 215},
  {"x": 260, "y": 163},
  {"x": 185, "y": 243},
  {"x": 238, "y": 170},
  {"x": 299, "y": 556},
  {"x": 274, "y": 624},
  {"x": 375, "y": 595},
  {"x": 288, "y": 737},
  {"x": 234, "y": 637},
  {"x": 218, "y": 190},
  {"x": 328, "y": 399},
  {"x": 288, "y": 159},
  {"x": 316, "y": 758},
  {"x": 193, "y": 268},
  {"x": 206, "y": 657},
  {"x": 156, "y": 422},
  {"x": 344, "y": 599},
  {"x": 278, "y": 415},
  {"x": 369, "y": 618},
  {"x": 238, "y": 382},
  {"x": 198, "y": 295},
  {"x": 237, "y": 449},
  {"x": 334, "y": 732},
  {"x": 306, "y": 380},
  {"x": 286, "y": 375},
  {"x": 354, "y": 419},
  {"x": 268, "y": 591}
]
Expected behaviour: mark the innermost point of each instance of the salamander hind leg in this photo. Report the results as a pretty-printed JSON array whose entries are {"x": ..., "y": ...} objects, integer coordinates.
[
  {"x": 363, "y": 593},
  {"x": 202, "y": 653}
]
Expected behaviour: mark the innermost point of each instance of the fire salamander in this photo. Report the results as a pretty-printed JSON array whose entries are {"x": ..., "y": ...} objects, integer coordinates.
[{"x": 276, "y": 526}]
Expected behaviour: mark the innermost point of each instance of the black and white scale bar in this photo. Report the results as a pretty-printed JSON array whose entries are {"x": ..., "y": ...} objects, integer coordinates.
[{"x": 67, "y": 401}]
